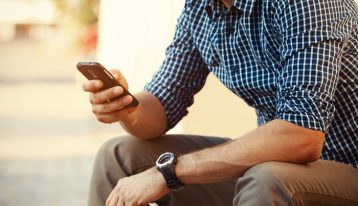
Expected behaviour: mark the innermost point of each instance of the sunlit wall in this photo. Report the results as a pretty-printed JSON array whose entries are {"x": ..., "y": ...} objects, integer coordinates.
[{"x": 133, "y": 36}]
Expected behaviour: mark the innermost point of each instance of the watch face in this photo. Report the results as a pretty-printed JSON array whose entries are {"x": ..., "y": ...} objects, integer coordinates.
[{"x": 165, "y": 159}]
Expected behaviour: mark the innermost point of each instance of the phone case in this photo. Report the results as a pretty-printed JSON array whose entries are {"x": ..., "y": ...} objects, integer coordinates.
[{"x": 94, "y": 70}]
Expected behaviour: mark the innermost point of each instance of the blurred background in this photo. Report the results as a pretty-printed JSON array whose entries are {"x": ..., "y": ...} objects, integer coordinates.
[{"x": 48, "y": 136}]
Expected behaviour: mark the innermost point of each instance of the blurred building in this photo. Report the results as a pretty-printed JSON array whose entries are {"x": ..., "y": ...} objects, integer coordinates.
[{"x": 23, "y": 18}]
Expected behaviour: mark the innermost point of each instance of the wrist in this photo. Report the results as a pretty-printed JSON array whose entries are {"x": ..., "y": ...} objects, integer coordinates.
[
  {"x": 166, "y": 164},
  {"x": 183, "y": 173},
  {"x": 158, "y": 179}
]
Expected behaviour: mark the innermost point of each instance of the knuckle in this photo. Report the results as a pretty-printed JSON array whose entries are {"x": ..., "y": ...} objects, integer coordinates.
[
  {"x": 114, "y": 71},
  {"x": 109, "y": 199},
  {"x": 120, "y": 104},
  {"x": 84, "y": 87},
  {"x": 101, "y": 119},
  {"x": 104, "y": 120},
  {"x": 105, "y": 108},
  {"x": 110, "y": 121},
  {"x": 94, "y": 97},
  {"x": 105, "y": 96},
  {"x": 91, "y": 100},
  {"x": 87, "y": 86}
]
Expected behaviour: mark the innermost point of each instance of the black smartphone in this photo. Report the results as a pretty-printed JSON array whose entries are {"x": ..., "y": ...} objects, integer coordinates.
[{"x": 94, "y": 70}]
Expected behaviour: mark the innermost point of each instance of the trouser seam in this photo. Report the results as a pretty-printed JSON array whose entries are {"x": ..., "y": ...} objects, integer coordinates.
[{"x": 120, "y": 162}]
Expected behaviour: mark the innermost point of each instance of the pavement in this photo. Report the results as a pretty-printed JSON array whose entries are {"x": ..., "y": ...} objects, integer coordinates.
[
  {"x": 48, "y": 139},
  {"x": 48, "y": 136}
]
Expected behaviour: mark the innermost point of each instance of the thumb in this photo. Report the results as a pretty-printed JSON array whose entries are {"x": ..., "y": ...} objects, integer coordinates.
[{"x": 119, "y": 77}]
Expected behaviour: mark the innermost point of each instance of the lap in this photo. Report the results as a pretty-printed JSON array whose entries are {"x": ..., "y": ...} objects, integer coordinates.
[
  {"x": 318, "y": 183},
  {"x": 135, "y": 155}
]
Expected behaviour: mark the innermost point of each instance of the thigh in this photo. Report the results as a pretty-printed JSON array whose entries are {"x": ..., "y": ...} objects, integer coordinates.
[
  {"x": 322, "y": 183},
  {"x": 136, "y": 155},
  {"x": 317, "y": 183}
]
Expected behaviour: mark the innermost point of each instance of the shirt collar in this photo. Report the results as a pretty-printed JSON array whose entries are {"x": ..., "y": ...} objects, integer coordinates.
[{"x": 245, "y": 6}]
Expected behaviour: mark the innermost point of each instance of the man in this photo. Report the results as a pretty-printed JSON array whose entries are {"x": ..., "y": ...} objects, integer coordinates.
[{"x": 295, "y": 62}]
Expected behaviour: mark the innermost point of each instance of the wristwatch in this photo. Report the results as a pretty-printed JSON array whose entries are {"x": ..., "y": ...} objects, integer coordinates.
[{"x": 166, "y": 165}]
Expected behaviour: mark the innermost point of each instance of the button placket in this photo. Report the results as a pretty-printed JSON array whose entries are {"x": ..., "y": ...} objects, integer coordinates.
[{"x": 214, "y": 44}]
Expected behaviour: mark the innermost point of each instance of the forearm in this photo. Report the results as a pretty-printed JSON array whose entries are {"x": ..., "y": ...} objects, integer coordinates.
[
  {"x": 275, "y": 141},
  {"x": 149, "y": 120}
]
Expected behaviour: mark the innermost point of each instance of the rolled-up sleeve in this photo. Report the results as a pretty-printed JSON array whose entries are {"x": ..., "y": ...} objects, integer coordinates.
[
  {"x": 312, "y": 42},
  {"x": 181, "y": 75}
]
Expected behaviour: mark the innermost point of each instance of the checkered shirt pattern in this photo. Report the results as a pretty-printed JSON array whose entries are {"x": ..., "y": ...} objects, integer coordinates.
[{"x": 290, "y": 60}]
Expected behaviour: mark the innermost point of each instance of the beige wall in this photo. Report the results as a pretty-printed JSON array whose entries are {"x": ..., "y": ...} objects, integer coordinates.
[
  {"x": 133, "y": 36},
  {"x": 219, "y": 112},
  {"x": 135, "y": 43}
]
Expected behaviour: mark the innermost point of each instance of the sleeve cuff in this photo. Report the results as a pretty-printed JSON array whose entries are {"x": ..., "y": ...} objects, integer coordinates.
[
  {"x": 174, "y": 106},
  {"x": 306, "y": 110}
]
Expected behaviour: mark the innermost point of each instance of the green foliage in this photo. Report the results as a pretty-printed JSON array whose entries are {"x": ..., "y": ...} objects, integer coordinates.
[{"x": 84, "y": 12}]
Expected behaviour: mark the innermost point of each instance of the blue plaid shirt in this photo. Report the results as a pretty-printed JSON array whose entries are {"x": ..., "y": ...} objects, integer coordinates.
[{"x": 290, "y": 60}]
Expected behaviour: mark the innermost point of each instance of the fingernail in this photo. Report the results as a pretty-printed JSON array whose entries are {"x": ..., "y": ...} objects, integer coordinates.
[
  {"x": 127, "y": 99},
  {"x": 118, "y": 90}
]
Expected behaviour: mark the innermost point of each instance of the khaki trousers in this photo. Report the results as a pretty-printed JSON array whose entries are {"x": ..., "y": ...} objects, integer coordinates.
[{"x": 271, "y": 183}]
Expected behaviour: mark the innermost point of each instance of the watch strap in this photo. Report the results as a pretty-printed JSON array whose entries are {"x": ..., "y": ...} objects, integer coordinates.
[
  {"x": 168, "y": 172},
  {"x": 172, "y": 181}
]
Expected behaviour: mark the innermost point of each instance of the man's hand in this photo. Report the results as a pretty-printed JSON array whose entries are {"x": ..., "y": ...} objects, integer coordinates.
[
  {"x": 146, "y": 121},
  {"x": 109, "y": 111},
  {"x": 140, "y": 189}
]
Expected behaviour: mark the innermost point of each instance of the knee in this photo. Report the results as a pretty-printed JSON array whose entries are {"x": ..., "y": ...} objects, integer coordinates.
[
  {"x": 264, "y": 176},
  {"x": 260, "y": 184}
]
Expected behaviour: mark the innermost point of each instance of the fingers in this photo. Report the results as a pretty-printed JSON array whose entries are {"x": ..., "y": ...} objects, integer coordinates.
[
  {"x": 105, "y": 95},
  {"x": 115, "y": 201},
  {"x": 96, "y": 85},
  {"x": 92, "y": 85},
  {"x": 112, "y": 199},
  {"x": 115, "y": 116},
  {"x": 121, "y": 202},
  {"x": 120, "y": 78},
  {"x": 112, "y": 106},
  {"x": 118, "y": 199}
]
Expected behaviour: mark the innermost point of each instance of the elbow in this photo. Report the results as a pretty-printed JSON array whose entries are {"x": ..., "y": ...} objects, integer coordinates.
[
  {"x": 312, "y": 154},
  {"x": 312, "y": 148}
]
